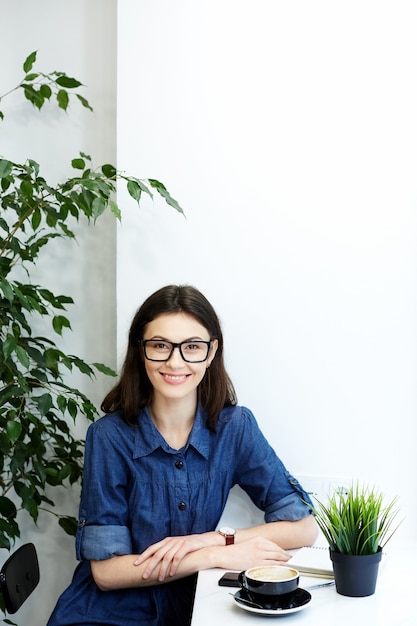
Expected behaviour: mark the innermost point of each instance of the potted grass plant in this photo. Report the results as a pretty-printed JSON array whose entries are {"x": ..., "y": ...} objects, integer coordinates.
[{"x": 357, "y": 525}]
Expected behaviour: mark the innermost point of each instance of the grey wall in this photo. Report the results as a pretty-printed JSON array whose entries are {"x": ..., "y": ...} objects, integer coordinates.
[{"x": 78, "y": 38}]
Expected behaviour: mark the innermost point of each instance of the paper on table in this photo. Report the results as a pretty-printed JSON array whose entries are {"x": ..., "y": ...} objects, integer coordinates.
[{"x": 313, "y": 561}]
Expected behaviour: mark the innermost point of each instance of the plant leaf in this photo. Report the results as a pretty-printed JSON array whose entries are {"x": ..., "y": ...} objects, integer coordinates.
[
  {"x": 59, "y": 322},
  {"x": 69, "y": 524},
  {"x": 13, "y": 430},
  {"x": 36, "y": 219},
  {"x": 78, "y": 164},
  {"x": 104, "y": 369},
  {"x": 84, "y": 102},
  {"x": 6, "y": 168},
  {"x": 9, "y": 344},
  {"x": 7, "y": 508},
  {"x": 44, "y": 403},
  {"x": 67, "y": 82},
  {"x": 33, "y": 95},
  {"x": 134, "y": 190},
  {"x": 114, "y": 208},
  {"x": 63, "y": 99},
  {"x": 109, "y": 170},
  {"x": 29, "y": 61},
  {"x": 46, "y": 91},
  {"x": 22, "y": 356},
  {"x": 162, "y": 190}
]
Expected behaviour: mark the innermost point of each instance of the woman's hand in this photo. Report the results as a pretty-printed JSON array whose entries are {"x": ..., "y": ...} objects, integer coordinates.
[
  {"x": 168, "y": 554},
  {"x": 253, "y": 551}
]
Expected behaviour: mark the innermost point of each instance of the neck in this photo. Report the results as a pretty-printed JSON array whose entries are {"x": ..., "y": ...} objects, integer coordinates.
[{"x": 174, "y": 420}]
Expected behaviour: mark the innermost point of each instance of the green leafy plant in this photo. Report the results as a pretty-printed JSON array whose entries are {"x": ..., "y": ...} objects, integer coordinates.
[
  {"x": 37, "y": 405},
  {"x": 356, "y": 522}
]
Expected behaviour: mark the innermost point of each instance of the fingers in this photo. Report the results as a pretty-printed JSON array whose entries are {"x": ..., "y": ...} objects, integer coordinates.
[
  {"x": 165, "y": 555},
  {"x": 171, "y": 559},
  {"x": 163, "y": 559}
]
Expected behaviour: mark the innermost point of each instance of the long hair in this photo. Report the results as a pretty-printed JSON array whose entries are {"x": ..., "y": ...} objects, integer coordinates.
[{"x": 134, "y": 391}]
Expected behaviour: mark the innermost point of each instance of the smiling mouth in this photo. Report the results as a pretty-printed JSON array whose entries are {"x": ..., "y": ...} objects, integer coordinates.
[{"x": 175, "y": 377}]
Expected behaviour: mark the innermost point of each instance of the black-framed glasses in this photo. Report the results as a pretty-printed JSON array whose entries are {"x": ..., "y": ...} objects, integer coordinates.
[{"x": 191, "y": 351}]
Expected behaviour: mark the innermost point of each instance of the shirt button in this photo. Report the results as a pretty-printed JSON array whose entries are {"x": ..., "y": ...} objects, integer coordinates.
[
  {"x": 179, "y": 464},
  {"x": 182, "y": 506}
]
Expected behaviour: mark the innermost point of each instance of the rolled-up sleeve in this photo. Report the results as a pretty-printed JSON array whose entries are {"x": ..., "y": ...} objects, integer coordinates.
[
  {"x": 102, "y": 542},
  {"x": 290, "y": 508},
  {"x": 103, "y": 527}
]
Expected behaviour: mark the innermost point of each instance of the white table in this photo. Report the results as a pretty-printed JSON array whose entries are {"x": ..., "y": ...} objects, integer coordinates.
[{"x": 393, "y": 604}]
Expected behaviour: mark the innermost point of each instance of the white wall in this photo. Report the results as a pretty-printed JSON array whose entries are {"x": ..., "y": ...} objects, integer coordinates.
[
  {"x": 79, "y": 38},
  {"x": 287, "y": 130}
]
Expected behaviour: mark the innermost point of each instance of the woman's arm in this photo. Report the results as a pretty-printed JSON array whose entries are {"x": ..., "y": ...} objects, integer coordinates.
[
  {"x": 168, "y": 553},
  {"x": 288, "y": 535},
  {"x": 176, "y": 557},
  {"x": 120, "y": 572}
]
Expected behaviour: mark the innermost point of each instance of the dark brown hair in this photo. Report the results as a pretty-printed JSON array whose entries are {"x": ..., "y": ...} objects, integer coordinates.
[{"x": 134, "y": 390}]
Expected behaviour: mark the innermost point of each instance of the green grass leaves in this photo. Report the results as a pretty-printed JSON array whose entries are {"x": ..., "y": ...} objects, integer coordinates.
[{"x": 356, "y": 522}]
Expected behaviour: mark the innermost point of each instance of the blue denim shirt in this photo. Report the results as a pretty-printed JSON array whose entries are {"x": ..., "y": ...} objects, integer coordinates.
[{"x": 138, "y": 490}]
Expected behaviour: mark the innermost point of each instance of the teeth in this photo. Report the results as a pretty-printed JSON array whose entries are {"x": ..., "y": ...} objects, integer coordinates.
[{"x": 174, "y": 377}]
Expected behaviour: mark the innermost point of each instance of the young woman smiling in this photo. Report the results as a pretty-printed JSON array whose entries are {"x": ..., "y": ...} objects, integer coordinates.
[{"x": 158, "y": 470}]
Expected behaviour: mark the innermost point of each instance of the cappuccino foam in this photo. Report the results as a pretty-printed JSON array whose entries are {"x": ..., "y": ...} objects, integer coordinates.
[{"x": 272, "y": 574}]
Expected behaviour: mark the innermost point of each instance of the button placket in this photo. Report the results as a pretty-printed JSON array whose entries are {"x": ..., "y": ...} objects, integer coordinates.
[
  {"x": 180, "y": 519},
  {"x": 180, "y": 465}
]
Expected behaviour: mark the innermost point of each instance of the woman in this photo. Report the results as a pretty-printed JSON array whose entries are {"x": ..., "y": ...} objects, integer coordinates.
[{"x": 158, "y": 470}]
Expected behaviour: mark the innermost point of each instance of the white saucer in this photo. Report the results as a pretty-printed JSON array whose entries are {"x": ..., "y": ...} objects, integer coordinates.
[{"x": 299, "y": 600}]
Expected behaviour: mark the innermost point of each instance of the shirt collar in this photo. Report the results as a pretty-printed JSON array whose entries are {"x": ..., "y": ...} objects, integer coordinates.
[{"x": 148, "y": 438}]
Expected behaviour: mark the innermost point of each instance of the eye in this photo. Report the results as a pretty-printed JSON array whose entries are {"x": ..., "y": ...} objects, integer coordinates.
[
  {"x": 192, "y": 346},
  {"x": 161, "y": 346}
]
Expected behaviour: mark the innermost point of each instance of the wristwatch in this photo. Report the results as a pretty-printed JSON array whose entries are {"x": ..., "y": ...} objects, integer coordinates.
[{"x": 228, "y": 533}]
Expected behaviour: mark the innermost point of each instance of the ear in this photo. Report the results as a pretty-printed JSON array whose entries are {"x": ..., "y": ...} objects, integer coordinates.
[{"x": 212, "y": 352}]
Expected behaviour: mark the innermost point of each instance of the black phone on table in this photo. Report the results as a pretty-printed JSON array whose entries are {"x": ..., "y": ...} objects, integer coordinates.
[{"x": 229, "y": 579}]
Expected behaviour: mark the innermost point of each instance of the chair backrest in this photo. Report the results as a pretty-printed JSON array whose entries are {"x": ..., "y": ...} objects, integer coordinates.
[{"x": 19, "y": 576}]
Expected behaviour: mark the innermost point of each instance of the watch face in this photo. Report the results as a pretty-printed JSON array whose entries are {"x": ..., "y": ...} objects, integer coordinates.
[{"x": 227, "y": 530}]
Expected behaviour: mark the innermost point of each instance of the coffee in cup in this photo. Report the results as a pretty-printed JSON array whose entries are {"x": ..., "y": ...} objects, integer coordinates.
[{"x": 269, "y": 580}]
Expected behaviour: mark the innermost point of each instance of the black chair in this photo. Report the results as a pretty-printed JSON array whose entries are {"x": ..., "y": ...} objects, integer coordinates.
[{"x": 19, "y": 576}]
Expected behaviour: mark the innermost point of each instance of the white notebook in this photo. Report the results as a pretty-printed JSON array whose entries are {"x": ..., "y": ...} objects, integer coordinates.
[{"x": 313, "y": 561}]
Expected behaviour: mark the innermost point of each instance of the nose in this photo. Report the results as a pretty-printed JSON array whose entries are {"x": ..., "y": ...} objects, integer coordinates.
[{"x": 175, "y": 360}]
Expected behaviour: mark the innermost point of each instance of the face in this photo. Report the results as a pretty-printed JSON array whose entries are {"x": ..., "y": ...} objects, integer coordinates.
[{"x": 177, "y": 379}]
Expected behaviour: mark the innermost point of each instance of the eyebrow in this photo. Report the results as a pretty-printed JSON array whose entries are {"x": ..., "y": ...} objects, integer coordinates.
[{"x": 156, "y": 337}]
